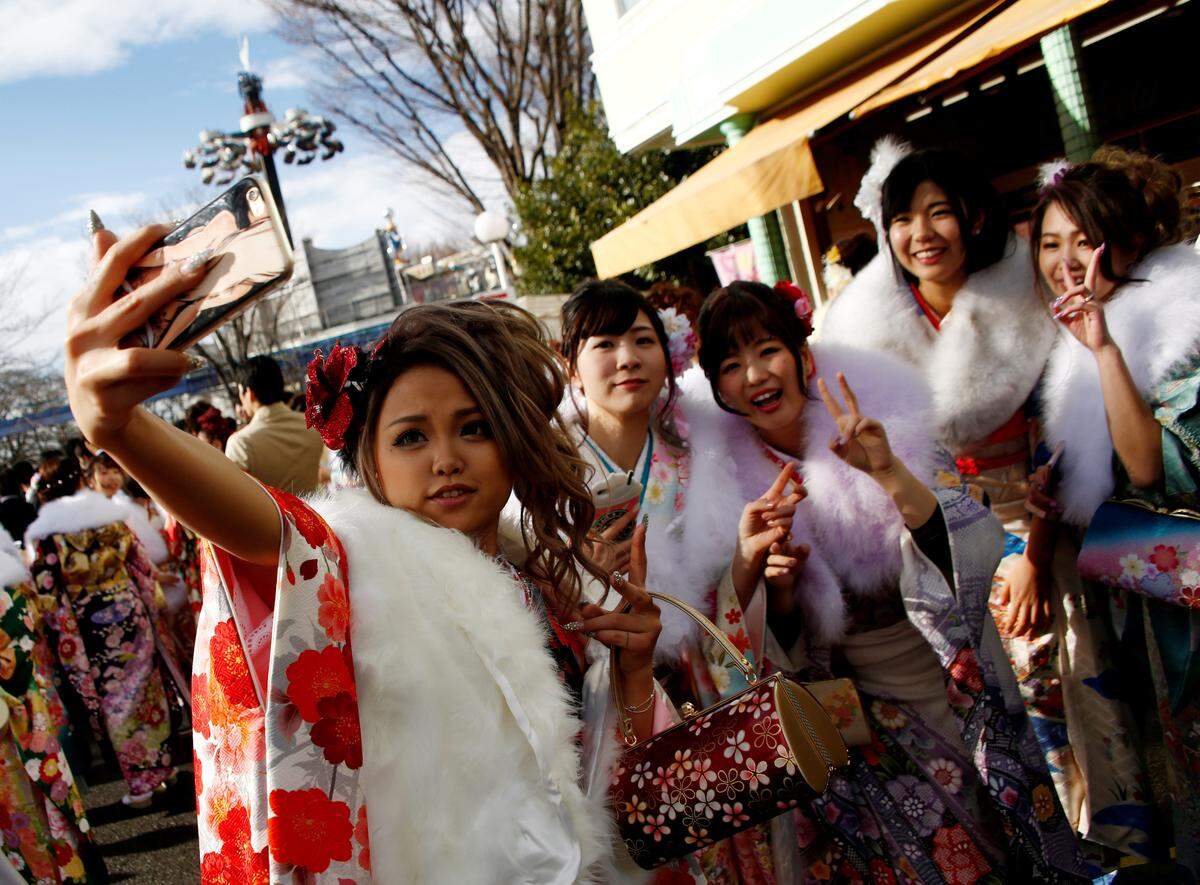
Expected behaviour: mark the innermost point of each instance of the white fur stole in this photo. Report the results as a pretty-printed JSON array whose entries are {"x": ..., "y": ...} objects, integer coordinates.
[
  {"x": 468, "y": 733},
  {"x": 12, "y": 566},
  {"x": 986, "y": 359},
  {"x": 85, "y": 510},
  {"x": 851, "y": 525},
  {"x": 1156, "y": 324}
]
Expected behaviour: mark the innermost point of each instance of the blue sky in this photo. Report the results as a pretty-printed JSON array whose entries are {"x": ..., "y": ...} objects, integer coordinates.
[{"x": 101, "y": 99}]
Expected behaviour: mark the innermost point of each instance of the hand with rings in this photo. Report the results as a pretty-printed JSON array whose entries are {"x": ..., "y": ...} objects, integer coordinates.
[
  {"x": 636, "y": 631},
  {"x": 1081, "y": 307}
]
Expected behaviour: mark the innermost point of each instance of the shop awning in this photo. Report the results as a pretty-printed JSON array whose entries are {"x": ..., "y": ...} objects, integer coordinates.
[
  {"x": 1019, "y": 23},
  {"x": 773, "y": 165}
]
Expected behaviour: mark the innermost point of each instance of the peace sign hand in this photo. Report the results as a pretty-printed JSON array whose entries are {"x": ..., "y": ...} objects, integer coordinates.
[
  {"x": 861, "y": 442},
  {"x": 1081, "y": 307},
  {"x": 634, "y": 632}
]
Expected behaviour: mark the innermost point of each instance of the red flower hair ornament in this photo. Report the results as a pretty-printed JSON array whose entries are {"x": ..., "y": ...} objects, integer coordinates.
[
  {"x": 333, "y": 384},
  {"x": 801, "y": 303}
]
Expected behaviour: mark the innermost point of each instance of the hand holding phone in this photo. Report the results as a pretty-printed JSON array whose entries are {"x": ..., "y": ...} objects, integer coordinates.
[{"x": 240, "y": 238}]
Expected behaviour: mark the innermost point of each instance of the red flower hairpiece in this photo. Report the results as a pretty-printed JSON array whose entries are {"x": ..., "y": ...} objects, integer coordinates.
[
  {"x": 331, "y": 382},
  {"x": 801, "y": 303}
]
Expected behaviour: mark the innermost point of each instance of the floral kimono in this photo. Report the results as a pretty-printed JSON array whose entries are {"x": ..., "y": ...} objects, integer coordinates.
[
  {"x": 952, "y": 787},
  {"x": 387, "y": 662},
  {"x": 1155, "y": 320},
  {"x": 184, "y": 549},
  {"x": 102, "y": 608},
  {"x": 663, "y": 470},
  {"x": 982, "y": 362},
  {"x": 43, "y": 829}
]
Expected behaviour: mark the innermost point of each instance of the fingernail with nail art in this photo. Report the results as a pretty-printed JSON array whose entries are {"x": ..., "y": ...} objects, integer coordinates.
[
  {"x": 197, "y": 261},
  {"x": 573, "y": 626},
  {"x": 194, "y": 361},
  {"x": 646, "y": 520},
  {"x": 95, "y": 225}
]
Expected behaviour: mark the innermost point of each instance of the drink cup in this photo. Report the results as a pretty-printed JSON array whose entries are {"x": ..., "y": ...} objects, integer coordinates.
[{"x": 614, "y": 496}]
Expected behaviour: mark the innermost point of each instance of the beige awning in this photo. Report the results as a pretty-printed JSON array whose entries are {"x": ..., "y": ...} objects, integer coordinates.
[
  {"x": 772, "y": 165},
  {"x": 1023, "y": 21}
]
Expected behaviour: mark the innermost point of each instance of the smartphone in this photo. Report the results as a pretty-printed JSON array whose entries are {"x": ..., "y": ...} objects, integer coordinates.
[{"x": 251, "y": 257}]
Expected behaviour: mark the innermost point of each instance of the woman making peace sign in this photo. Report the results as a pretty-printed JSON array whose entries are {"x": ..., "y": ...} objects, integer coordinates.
[{"x": 862, "y": 570}]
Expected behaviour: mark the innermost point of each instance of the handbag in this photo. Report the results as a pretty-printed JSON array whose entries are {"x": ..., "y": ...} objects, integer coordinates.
[
  {"x": 1149, "y": 550},
  {"x": 734, "y": 765}
]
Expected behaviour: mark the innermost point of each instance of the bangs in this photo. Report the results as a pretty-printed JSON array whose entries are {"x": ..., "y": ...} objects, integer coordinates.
[
  {"x": 735, "y": 321},
  {"x": 613, "y": 315}
]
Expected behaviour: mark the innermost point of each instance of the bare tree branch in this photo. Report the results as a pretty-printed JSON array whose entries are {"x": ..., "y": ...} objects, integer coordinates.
[{"x": 411, "y": 73}]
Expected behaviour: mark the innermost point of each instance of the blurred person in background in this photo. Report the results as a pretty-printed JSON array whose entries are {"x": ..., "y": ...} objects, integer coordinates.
[
  {"x": 275, "y": 446},
  {"x": 97, "y": 590},
  {"x": 15, "y": 512}
]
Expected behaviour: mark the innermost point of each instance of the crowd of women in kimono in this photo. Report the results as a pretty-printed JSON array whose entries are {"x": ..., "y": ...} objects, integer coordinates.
[{"x": 965, "y": 504}]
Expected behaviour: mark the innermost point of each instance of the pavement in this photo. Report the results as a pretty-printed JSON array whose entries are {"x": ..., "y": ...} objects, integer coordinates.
[{"x": 149, "y": 846}]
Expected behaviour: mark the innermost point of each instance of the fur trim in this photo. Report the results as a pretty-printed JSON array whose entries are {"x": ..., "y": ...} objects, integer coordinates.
[
  {"x": 986, "y": 360},
  {"x": 888, "y": 152},
  {"x": 1049, "y": 174},
  {"x": 139, "y": 521},
  {"x": 12, "y": 566},
  {"x": 1156, "y": 324},
  {"x": 852, "y": 527},
  {"x": 86, "y": 509},
  {"x": 452, "y": 668}
]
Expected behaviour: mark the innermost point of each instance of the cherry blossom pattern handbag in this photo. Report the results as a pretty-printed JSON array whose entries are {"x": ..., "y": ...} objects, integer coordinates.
[
  {"x": 738, "y": 763},
  {"x": 1144, "y": 549}
]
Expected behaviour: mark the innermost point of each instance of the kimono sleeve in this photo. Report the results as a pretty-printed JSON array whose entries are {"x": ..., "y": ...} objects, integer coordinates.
[
  {"x": 1177, "y": 410},
  {"x": 287, "y": 666}
]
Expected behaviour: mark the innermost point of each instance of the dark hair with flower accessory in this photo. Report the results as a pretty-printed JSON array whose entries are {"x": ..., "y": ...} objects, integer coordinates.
[
  {"x": 499, "y": 353},
  {"x": 334, "y": 390},
  {"x": 742, "y": 312}
]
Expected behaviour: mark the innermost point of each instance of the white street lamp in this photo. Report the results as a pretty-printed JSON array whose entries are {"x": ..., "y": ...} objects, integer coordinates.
[{"x": 491, "y": 227}]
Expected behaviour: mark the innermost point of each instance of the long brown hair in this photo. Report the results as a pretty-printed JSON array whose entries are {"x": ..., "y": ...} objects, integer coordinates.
[
  {"x": 1123, "y": 198},
  {"x": 500, "y": 354}
]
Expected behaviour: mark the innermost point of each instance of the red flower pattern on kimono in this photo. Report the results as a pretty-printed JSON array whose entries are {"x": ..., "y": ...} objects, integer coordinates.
[
  {"x": 314, "y": 676},
  {"x": 337, "y": 732},
  {"x": 308, "y": 829},
  {"x": 229, "y": 666},
  {"x": 334, "y": 613}
]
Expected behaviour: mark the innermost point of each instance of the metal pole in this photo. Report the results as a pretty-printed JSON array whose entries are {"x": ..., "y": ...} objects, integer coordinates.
[
  {"x": 268, "y": 161},
  {"x": 501, "y": 270}
]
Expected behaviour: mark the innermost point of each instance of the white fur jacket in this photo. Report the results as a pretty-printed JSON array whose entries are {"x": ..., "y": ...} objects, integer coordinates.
[
  {"x": 472, "y": 771},
  {"x": 988, "y": 356},
  {"x": 12, "y": 567},
  {"x": 88, "y": 509},
  {"x": 1156, "y": 324},
  {"x": 852, "y": 526}
]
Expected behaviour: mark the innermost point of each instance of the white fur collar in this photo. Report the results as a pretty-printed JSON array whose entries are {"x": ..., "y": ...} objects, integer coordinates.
[
  {"x": 853, "y": 528},
  {"x": 12, "y": 567},
  {"x": 86, "y": 509},
  {"x": 437, "y": 628},
  {"x": 1157, "y": 326},
  {"x": 988, "y": 356}
]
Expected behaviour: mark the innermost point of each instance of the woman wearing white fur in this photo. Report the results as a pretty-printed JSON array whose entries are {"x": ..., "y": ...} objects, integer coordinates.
[
  {"x": 951, "y": 294},
  {"x": 1120, "y": 395},
  {"x": 862, "y": 570},
  {"x": 434, "y": 679}
]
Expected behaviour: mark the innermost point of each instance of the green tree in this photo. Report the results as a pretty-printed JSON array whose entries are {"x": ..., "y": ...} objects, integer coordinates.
[{"x": 589, "y": 188}]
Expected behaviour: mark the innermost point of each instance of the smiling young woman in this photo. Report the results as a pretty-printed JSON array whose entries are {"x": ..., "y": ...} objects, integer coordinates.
[
  {"x": 1120, "y": 396},
  {"x": 952, "y": 295},
  {"x": 814, "y": 517}
]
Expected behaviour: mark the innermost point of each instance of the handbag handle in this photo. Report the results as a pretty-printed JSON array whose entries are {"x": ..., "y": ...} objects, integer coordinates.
[{"x": 709, "y": 627}]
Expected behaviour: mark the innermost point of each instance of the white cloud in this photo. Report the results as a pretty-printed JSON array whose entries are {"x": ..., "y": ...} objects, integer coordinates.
[
  {"x": 297, "y": 71},
  {"x": 84, "y": 36},
  {"x": 336, "y": 204},
  {"x": 48, "y": 271}
]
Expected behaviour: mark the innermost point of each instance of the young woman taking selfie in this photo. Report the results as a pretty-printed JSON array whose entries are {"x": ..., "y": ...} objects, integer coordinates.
[{"x": 378, "y": 648}]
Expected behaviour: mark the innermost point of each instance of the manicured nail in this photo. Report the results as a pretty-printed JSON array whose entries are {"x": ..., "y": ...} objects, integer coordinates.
[
  {"x": 1101, "y": 248},
  {"x": 618, "y": 579},
  {"x": 197, "y": 261},
  {"x": 194, "y": 361},
  {"x": 573, "y": 626},
  {"x": 95, "y": 225},
  {"x": 646, "y": 520}
]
